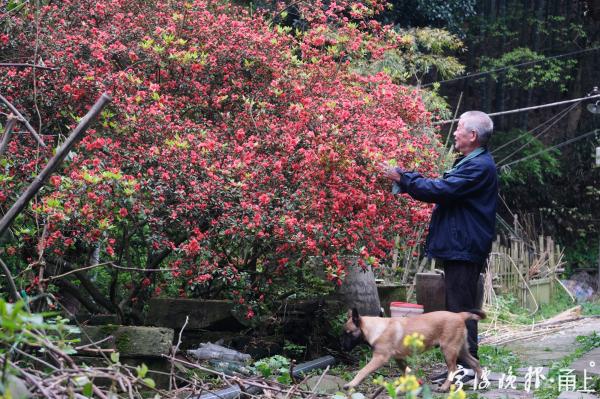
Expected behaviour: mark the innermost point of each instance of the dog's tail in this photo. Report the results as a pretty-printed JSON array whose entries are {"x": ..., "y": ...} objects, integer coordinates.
[{"x": 473, "y": 314}]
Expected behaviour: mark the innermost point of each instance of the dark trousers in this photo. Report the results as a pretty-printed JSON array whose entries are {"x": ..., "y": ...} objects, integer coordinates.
[{"x": 461, "y": 280}]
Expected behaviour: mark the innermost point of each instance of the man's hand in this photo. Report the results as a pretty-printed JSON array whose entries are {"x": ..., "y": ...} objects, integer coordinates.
[{"x": 391, "y": 172}]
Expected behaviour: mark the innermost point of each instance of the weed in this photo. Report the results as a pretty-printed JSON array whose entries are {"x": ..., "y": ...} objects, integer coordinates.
[
  {"x": 498, "y": 359},
  {"x": 591, "y": 308},
  {"x": 293, "y": 350},
  {"x": 274, "y": 366}
]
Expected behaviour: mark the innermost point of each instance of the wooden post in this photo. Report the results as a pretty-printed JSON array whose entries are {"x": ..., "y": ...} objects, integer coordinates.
[{"x": 53, "y": 164}]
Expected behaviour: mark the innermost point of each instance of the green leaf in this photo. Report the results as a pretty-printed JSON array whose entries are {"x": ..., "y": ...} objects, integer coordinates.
[
  {"x": 114, "y": 357},
  {"x": 81, "y": 381},
  {"x": 149, "y": 382},
  {"x": 142, "y": 370},
  {"x": 88, "y": 389}
]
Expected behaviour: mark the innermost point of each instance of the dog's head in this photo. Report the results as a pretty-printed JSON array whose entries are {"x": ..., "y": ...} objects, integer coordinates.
[{"x": 352, "y": 334}]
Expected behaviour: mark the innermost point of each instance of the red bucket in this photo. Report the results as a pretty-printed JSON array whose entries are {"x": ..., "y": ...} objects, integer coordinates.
[{"x": 405, "y": 309}]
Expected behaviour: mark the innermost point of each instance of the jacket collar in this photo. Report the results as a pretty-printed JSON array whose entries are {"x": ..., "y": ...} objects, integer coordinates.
[{"x": 461, "y": 160}]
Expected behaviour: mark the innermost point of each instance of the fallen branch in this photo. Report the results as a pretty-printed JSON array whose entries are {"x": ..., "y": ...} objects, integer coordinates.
[
  {"x": 255, "y": 382},
  {"x": 78, "y": 348},
  {"x": 174, "y": 352}
]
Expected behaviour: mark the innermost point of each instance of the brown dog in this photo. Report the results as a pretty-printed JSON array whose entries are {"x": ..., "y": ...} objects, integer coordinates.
[{"x": 385, "y": 336}]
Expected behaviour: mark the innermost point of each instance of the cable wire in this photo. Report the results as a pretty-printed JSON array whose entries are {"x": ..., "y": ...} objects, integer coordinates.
[
  {"x": 511, "y": 66},
  {"x": 512, "y": 111},
  {"x": 547, "y": 128},
  {"x": 564, "y": 143},
  {"x": 552, "y": 122}
]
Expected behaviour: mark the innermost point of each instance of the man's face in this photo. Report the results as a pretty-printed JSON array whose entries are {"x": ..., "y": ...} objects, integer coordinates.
[{"x": 464, "y": 141}]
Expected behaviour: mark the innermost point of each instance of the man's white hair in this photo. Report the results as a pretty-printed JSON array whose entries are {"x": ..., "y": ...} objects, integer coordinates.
[{"x": 481, "y": 123}]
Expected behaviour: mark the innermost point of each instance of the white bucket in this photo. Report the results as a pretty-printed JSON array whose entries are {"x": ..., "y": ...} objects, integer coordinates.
[{"x": 405, "y": 309}]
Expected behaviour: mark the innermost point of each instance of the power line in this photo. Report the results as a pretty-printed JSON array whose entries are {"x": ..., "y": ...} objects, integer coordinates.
[
  {"x": 510, "y": 66},
  {"x": 512, "y": 111},
  {"x": 564, "y": 143},
  {"x": 550, "y": 121},
  {"x": 557, "y": 118}
]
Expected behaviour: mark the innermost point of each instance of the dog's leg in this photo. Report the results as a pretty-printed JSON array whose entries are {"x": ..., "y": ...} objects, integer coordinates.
[
  {"x": 450, "y": 355},
  {"x": 402, "y": 364},
  {"x": 470, "y": 360},
  {"x": 376, "y": 362}
]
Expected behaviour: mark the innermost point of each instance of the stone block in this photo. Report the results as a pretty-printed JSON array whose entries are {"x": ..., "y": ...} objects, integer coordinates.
[
  {"x": 132, "y": 341},
  {"x": 328, "y": 384},
  {"x": 203, "y": 314}
]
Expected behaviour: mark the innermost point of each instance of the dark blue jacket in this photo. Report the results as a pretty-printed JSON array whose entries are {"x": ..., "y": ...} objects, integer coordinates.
[{"x": 463, "y": 221}]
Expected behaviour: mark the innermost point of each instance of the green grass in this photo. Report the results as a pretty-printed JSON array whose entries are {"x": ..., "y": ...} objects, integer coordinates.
[
  {"x": 591, "y": 308},
  {"x": 498, "y": 359},
  {"x": 508, "y": 308},
  {"x": 560, "y": 302}
]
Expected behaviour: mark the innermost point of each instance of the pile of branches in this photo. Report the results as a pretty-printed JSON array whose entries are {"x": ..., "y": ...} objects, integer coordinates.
[{"x": 39, "y": 359}]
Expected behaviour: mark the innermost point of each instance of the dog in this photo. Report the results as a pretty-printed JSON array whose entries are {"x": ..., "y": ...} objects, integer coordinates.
[{"x": 385, "y": 335}]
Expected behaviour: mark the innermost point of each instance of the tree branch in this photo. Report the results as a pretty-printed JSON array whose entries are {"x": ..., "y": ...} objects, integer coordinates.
[
  {"x": 22, "y": 119},
  {"x": 24, "y": 65},
  {"x": 10, "y": 124},
  {"x": 81, "y": 297},
  {"x": 11, "y": 282},
  {"x": 89, "y": 286}
]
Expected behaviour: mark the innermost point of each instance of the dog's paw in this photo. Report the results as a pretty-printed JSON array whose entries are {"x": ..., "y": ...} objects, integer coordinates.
[{"x": 445, "y": 387}]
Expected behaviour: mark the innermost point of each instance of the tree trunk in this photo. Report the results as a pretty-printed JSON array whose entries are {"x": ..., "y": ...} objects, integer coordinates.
[{"x": 359, "y": 290}]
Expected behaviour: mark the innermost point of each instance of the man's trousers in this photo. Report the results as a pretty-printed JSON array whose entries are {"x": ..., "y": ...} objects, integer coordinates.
[{"x": 461, "y": 279}]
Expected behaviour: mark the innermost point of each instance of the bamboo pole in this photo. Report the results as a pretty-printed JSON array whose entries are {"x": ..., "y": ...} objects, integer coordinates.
[{"x": 53, "y": 164}]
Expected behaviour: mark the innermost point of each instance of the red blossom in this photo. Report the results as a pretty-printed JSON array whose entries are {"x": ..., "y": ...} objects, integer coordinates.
[{"x": 224, "y": 151}]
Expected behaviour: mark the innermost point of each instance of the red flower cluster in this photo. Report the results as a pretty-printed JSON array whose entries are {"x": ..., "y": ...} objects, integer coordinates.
[{"x": 237, "y": 146}]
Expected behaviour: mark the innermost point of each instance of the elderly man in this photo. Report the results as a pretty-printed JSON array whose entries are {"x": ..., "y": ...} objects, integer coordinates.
[{"x": 462, "y": 225}]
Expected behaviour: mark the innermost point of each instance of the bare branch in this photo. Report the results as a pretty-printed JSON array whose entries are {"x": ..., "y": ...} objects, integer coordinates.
[
  {"x": 79, "y": 296},
  {"x": 174, "y": 352},
  {"x": 110, "y": 264},
  {"x": 11, "y": 281},
  {"x": 22, "y": 119},
  {"x": 24, "y": 65},
  {"x": 10, "y": 124}
]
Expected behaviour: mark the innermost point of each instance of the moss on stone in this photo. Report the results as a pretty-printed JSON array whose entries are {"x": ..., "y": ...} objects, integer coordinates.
[{"x": 123, "y": 343}]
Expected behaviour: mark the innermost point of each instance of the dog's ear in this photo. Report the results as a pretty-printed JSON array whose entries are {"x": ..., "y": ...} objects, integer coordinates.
[{"x": 355, "y": 317}]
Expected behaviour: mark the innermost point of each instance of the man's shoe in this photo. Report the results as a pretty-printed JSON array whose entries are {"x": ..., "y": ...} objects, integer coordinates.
[{"x": 439, "y": 378}]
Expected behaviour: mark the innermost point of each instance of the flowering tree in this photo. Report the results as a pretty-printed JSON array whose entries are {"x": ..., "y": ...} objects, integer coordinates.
[{"x": 233, "y": 150}]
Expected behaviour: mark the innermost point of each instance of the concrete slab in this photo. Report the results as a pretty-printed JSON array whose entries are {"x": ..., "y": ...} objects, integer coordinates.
[
  {"x": 588, "y": 364},
  {"x": 576, "y": 395},
  {"x": 542, "y": 350},
  {"x": 171, "y": 313},
  {"x": 505, "y": 394}
]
